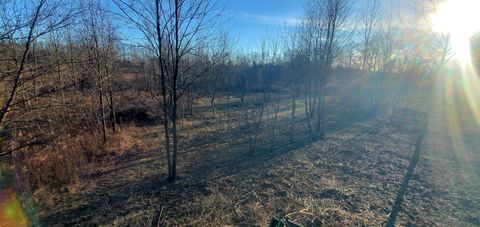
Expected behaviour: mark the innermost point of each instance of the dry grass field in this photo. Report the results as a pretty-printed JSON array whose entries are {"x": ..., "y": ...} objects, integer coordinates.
[
  {"x": 368, "y": 167},
  {"x": 301, "y": 113}
]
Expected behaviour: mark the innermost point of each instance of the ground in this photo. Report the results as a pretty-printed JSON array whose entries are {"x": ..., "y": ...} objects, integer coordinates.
[{"x": 370, "y": 170}]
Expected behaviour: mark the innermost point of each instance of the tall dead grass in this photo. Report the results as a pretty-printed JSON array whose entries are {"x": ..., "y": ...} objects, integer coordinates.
[{"x": 66, "y": 160}]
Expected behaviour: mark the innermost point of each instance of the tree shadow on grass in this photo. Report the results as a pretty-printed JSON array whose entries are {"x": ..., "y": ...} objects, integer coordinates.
[
  {"x": 396, "y": 207},
  {"x": 107, "y": 204}
]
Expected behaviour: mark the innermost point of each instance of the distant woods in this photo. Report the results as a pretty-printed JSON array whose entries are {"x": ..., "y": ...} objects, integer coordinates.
[{"x": 68, "y": 69}]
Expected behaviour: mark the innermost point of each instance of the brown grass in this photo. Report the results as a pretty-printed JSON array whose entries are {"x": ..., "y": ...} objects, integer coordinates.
[
  {"x": 66, "y": 160},
  {"x": 122, "y": 141}
]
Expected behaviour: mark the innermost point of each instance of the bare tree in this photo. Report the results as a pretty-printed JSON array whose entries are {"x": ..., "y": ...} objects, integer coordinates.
[
  {"x": 325, "y": 29},
  {"x": 220, "y": 56},
  {"x": 21, "y": 64},
  {"x": 174, "y": 29},
  {"x": 100, "y": 37},
  {"x": 370, "y": 21},
  {"x": 297, "y": 62},
  {"x": 22, "y": 25}
]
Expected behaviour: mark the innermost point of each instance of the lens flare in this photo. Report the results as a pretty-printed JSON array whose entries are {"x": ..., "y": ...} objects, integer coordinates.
[
  {"x": 15, "y": 210},
  {"x": 457, "y": 92},
  {"x": 11, "y": 212},
  {"x": 460, "y": 19}
]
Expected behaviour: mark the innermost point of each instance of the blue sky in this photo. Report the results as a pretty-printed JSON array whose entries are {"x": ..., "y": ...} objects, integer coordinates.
[
  {"x": 248, "y": 22},
  {"x": 251, "y": 21}
]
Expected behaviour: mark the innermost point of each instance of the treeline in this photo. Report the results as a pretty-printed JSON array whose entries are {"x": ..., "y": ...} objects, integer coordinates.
[{"x": 66, "y": 69}]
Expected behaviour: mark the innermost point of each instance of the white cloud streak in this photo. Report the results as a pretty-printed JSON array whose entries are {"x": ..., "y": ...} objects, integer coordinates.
[{"x": 270, "y": 20}]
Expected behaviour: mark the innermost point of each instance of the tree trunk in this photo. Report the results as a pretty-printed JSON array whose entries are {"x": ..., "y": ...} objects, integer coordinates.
[
  {"x": 6, "y": 108},
  {"x": 174, "y": 90},
  {"x": 58, "y": 68},
  {"x": 323, "y": 113},
  {"x": 274, "y": 126},
  {"x": 175, "y": 139},
  {"x": 294, "y": 107},
  {"x": 214, "y": 92},
  {"x": 164, "y": 90},
  {"x": 113, "y": 117},
  {"x": 190, "y": 102},
  {"x": 102, "y": 112}
]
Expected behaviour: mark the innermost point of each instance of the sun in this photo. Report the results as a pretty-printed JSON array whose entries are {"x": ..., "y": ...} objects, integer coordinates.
[{"x": 461, "y": 20}]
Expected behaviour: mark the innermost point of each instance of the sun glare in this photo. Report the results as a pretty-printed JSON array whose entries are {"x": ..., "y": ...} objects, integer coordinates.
[{"x": 460, "y": 19}]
